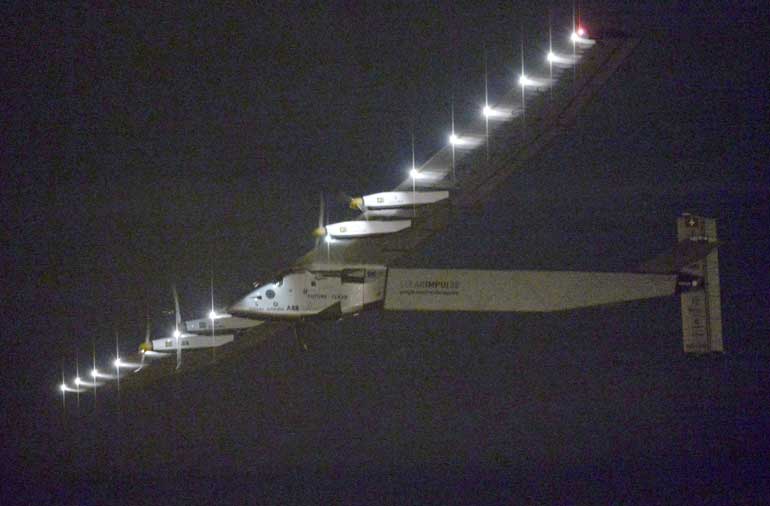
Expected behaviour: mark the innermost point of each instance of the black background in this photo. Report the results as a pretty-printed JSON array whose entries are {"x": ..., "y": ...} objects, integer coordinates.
[{"x": 144, "y": 144}]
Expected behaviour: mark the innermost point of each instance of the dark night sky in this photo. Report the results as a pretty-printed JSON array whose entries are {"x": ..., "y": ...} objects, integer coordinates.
[{"x": 140, "y": 143}]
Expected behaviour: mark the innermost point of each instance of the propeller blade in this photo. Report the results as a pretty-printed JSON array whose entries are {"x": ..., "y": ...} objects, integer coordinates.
[
  {"x": 321, "y": 212},
  {"x": 320, "y": 230},
  {"x": 177, "y": 313},
  {"x": 147, "y": 329},
  {"x": 147, "y": 345},
  {"x": 212, "y": 315},
  {"x": 177, "y": 331}
]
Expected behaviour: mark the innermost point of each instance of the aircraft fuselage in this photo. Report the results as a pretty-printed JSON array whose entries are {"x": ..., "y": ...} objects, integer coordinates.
[{"x": 314, "y": 293}]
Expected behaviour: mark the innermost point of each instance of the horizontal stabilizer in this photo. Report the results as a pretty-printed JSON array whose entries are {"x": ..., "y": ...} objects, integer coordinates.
[{"x": 701, "y": 309}]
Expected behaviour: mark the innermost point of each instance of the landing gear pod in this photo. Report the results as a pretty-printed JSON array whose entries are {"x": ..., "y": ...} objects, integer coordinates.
[
  {"x": 191, "y": 342},
  {"x": 397, "y": 199},
  {"x": 356, "y": 229}
]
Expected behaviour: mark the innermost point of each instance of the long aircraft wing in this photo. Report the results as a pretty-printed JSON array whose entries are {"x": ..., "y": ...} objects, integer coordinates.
[
  {"x": 160, "y": 367},
  {"x": 516, "y": 135}
]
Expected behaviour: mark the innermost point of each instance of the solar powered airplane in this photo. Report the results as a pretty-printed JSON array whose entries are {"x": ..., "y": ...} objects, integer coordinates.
[{"x": 350, "y": 268}]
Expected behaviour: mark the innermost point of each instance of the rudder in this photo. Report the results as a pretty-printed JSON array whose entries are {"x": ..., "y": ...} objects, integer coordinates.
[{"x": 701, "y": 309}]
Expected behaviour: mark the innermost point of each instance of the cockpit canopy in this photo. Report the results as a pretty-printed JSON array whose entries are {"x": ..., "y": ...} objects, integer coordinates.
[{"x": 277, "y": 279}]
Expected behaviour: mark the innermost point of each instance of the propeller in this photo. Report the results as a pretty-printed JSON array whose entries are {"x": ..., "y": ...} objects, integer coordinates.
[
  {"x": 63, "y": 388},
  {"x": 351, "y": 201},
  {"x": 320, "y": 231},
  {"x": 117, "y": 363},
  {"x": 77, "y": 380},
  {"x": 178, "y": 324},
  {"x": 146, "y": 347},
  {"x": 213, "y": 315},
  {"x": 147, "y": 344},
  {"x": 93, "y": 371}
]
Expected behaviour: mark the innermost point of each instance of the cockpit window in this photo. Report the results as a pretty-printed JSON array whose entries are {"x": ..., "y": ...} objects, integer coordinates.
[
  {"x": 353, "y": 275},
  {"x": 269, "y": 294}
]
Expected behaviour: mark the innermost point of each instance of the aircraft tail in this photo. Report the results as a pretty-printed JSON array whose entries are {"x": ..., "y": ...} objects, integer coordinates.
[
  {"x": 696, "y": 261},
  {"x": 701, "y": 309}
]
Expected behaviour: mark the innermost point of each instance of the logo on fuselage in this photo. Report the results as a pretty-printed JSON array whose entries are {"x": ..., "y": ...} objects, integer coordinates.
[{"x": 437, "y": 284}]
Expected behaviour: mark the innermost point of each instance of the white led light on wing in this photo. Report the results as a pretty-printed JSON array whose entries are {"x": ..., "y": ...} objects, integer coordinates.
[
  {"x": 524, "y": 81},
  {"x": 492, "y": 113},
  {"x": 579, "y": 36}
]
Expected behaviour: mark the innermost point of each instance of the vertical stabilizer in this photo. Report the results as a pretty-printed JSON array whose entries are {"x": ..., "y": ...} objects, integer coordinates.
[{"x": 701, "y": 309}]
